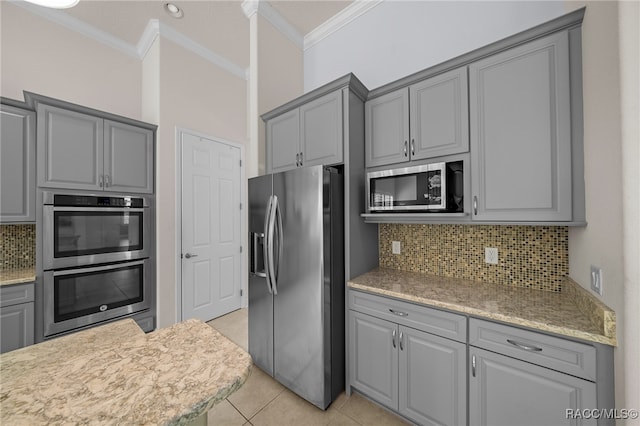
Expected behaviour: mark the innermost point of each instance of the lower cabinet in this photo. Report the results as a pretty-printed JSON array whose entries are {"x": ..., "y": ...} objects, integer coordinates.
[
  {"x": 419, "y": 375},
  {"x": 507, "y": 391},
  {"x": 16, "y": 316}
]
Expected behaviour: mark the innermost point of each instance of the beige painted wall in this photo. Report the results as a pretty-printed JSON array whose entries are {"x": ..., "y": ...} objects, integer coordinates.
[
  {"x": 42, "y": 57},
  {"x": 602, "y": 241},
  {"x": 198, "y": 96}
]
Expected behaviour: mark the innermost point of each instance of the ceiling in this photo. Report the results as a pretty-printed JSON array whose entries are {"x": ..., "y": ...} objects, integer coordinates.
[{"x": 218, "y": 25}]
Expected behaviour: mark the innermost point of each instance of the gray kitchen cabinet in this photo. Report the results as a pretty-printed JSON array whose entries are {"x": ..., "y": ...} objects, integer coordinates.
[
  {"x": 306, "y": 136},
  {"x": 418, "y": 374},
  {"x": 81, "y": 148},
  {"x": 523, "y": 377},
  {"x": 128, "y": 158},
  {"x": 18, "y": 164},
  {"x": 16, "y": 316},
  {"x": 439, "y": 115},
  {"x": 387, "y": 129},
  {"x": 520, "y": 110},
  {"x": 426, "y": 120}
]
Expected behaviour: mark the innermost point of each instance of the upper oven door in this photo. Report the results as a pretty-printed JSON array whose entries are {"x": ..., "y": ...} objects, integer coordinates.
[
  {"x": 417, "y": 188},
  {"x": 77, "y": 236}
]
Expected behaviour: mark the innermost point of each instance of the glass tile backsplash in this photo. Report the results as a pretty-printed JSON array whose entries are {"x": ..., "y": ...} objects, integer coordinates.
[{"x": 534, "y": 257}]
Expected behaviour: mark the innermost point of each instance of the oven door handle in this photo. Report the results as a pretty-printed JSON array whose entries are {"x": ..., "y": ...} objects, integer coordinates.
[
  {"x": 76, "y": 271},
  {"x": 99, "y": 209}
]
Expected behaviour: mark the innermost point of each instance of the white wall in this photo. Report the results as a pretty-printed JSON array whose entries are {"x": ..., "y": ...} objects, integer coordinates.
[{"x": 398, "y": 38}]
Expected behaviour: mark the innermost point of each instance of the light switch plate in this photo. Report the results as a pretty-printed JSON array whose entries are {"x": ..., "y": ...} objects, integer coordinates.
[
  {"x": 596, "y": 279},
  {"x": 395, "y": 247}
]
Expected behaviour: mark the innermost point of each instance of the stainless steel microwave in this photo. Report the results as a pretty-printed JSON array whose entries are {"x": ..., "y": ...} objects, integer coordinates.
[{"x": 434, "y": 187}]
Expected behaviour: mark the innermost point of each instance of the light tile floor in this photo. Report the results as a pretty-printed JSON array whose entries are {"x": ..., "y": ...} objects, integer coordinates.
[{"x": 264, "y": 401}]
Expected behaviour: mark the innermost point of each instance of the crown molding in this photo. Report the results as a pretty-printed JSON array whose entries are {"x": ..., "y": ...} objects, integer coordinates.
[
  {"x": 75, "y": 24},
  {"x": 270, "y": 14},
  {"x": 153, "y": 30},
  {"x": 341, "y": 19}
]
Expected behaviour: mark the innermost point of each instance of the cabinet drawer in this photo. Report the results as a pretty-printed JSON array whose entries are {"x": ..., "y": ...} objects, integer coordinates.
[
  {"x": 15, "y": 294},
  {"x": 557, "y": 353},
  {"x": 445, "y": 324}
]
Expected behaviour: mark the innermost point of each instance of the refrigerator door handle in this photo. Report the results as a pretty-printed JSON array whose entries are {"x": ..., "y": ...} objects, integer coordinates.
[
  {"x": 270, "y": 232},
  {"x": 280, "y": 241},
  {"x": 267, "y": 221}
]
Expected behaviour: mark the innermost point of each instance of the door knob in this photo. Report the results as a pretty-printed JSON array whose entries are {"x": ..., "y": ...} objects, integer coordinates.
[{"x": 189, "y": 255}]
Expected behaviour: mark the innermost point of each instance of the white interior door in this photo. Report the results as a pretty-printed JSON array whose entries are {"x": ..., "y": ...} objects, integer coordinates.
[{"x": 211, "y": 213}]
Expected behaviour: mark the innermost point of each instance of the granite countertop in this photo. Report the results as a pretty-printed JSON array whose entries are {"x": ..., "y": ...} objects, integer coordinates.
[
  {"x": 572, "y": 312},
  {"x": 17, "y": 276},
  {"x": 117, "y": 374}
]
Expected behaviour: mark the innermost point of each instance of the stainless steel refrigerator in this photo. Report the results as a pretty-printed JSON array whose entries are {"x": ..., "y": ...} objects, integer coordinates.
[{"x": 296, "y": 280}]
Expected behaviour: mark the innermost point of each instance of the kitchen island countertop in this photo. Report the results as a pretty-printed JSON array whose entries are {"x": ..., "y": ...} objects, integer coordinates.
[
  {"x": 117, "y": 374},
  {"x": 572, "y": 312}
]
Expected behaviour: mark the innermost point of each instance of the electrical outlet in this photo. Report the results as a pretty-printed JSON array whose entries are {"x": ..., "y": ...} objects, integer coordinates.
[
  {"x": 395, "y": 247},
  {"x": 596, "y": 279},
  {"x": 491, "y": 255}
]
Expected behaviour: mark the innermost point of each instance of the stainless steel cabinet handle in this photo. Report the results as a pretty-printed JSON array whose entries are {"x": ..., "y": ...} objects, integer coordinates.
[
  {"x": 473, "y": 365},
  {"x": 107, "y": 181},
  {"x": 401, "y": 337},
  {"x": 524, "y": 346},
  {"x": 297, "y": 159},
  {"x": 398, "y": 313},
  {"x": 475, "y": 205},
  {"x": 301, "y": 159},
  {"x": 393, "y": 338},
  {"x": 413, "y": 147},
  {"x": 100, "y": 181},
  {"x": 405, "y": 148},
  {"x": 189, "y": 255}
]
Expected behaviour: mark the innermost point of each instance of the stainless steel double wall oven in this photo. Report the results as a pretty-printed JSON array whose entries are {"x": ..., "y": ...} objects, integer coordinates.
[{"x": 96, "y": 252}]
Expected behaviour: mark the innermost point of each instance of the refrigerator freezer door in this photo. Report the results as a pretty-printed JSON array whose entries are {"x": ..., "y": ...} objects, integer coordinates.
[
  {"x": 260, "y": 298},
  {"x": 299, "y": 307}
]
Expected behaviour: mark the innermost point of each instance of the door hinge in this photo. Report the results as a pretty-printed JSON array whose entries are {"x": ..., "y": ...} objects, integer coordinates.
[
  {"x": 240, "y": 249},
  {"x": 240, "y": 206},
  {"x": 241, "y": 292},
  {"x": 240, "y": 163}
]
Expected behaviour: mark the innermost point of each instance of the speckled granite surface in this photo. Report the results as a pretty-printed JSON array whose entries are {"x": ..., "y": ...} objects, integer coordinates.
[
  {"x": 116, "y": 374},
  {"x": 543, "y": 310},
  {"x": 17, "y": 276}
]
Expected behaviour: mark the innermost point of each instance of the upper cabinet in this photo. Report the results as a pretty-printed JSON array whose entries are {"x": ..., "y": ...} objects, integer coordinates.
[
  {"x": 17, "y": 168},
  {"x": 515, "y": 106},
  {"x": 427, "y": 119},
  {"x": 521, "y": 133},
  {"x": 84, "y": 150},
  {"x": 306, "y": 136}
]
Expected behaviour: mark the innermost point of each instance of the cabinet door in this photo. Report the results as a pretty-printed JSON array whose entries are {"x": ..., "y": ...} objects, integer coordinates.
[
  {"x": 373, "y": 358},
  {"x": 70, "y": 149},
  {"x": 520, "y": 133},
  {"x": 433, "y": 380},
  {"x": 18, "y": 165},
  {"x": 507, "y": 391},
  {"x": 16, "y": 323},
  {"x": 439, "y": 115},
  {"x": 321, "y": 130},
  {"x": 283, "y": 142},
  {"x": 128, "y": 158},
  {"x": 387, "y": 129}
]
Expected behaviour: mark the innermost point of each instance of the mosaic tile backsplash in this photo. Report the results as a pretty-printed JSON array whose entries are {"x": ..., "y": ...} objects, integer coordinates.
[
  {"x": 18, "y": 249},
  {"x": 534, "y": 257}
]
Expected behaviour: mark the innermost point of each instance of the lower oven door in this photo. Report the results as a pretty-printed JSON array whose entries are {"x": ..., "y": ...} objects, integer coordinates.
[{"x": 80, "y": 297}]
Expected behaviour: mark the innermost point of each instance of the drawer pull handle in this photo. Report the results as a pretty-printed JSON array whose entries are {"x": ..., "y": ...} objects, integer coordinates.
[
  {"x": 399, "y": 313},
  {"x": 393, "y": 338},
  {"x": 525, "y": 347}
]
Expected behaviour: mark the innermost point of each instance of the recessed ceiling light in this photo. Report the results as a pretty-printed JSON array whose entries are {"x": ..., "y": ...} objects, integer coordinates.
[
  {"x": 55, "y": 4},
  {"x": 173, "y": 10}
]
